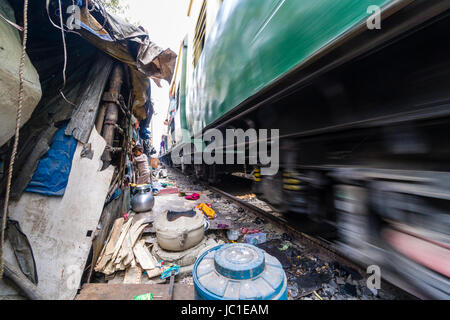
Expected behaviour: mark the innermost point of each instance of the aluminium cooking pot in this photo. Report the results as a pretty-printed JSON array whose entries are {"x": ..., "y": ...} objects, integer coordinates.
[{"x": 143, "y": 199}]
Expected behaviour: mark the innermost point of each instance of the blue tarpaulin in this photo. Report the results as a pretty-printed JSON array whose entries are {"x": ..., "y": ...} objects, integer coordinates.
[{"x": 52, "y": 174}]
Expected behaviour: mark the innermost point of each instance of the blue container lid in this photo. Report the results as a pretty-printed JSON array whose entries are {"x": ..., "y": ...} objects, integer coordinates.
[
  {"x": 239, "y": 272},
  {"x": 241, "y": 261}
]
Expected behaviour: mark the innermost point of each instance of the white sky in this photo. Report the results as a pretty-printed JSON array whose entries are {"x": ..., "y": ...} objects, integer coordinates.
[{"x": 166, "y": 23}]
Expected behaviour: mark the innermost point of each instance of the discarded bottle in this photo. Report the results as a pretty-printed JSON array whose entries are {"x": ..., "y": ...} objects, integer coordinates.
[
  {"x": 233, "y": 235},
  {"x": 147, "y": 296}
]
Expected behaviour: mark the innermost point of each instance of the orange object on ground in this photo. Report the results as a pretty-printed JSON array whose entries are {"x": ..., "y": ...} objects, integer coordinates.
[{"x": 207, "y": 211}]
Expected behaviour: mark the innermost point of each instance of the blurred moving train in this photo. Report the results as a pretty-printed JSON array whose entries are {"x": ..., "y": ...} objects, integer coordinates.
[{"x": 363, "y": 113}]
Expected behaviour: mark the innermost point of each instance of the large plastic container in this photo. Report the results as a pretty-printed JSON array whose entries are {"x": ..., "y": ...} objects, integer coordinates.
[
  {"x": 180, "y": 234},
  {"x": 239, "y": 272}
]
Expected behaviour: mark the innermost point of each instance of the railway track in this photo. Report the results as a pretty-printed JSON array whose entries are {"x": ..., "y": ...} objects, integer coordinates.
[
  {"x": 279, "y": 221},
  {"x": 319, "y": 244}
]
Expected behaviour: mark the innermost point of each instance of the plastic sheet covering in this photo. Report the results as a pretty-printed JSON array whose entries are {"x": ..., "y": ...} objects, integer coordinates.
[
  {"x": 82, "y": 87},
  {"x": 10, "y": 52},
  {"x": 45, "y": 50},
  {"x": 132, "y": 46},
  {"x": 52, "y": 174}
]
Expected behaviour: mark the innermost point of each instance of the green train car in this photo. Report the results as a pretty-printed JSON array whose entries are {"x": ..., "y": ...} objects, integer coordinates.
[{"x": 359, "y": 90}]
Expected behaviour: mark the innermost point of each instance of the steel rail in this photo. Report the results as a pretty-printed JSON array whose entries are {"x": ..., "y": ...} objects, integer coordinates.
[{"x": 324, "y": 247}]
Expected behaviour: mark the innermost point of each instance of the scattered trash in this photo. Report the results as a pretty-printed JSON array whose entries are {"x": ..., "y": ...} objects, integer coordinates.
[
  {"x": 233, "y": 235},
  {"x": 308, "y": 283},
  {"x": 249, "y": 231},
  {"x": 286, "y": 237},
  {"x": 147, "y": 296},
  {"x": 309, "y": 277},
  {"x": 258, "y": 221},
  {"x": 293, "y": 290},
  {"x": 349, "y": 289},
  {"x": 162, "y": 173},
  {"x": 221, "y": 224},
  {"x": 256, "y": 238},
  {"x": 317, "y": 295},
  {"x": 329, "y": 290},
  {"x": 344, "y": 271},
  {"x": 333, "y": 284},
  {"x": 285, "y": 247},
  {"x": 168, "y": 272},
  {"x": 271, "y": 247},
  {"x": 355, "y": 274},
  {"x": 188, "y": 281}
]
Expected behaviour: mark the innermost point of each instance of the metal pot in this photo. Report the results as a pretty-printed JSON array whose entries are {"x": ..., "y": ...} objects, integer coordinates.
[{"x": 143, "y": 199}]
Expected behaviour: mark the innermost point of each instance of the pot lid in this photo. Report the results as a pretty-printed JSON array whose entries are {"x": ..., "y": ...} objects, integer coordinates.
[{"x": 242, "y": 261}]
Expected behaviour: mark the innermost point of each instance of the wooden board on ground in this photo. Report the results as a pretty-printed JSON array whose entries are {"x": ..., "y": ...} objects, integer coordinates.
[
  {"x": 101, "y": 291},
  {"x": 143, "y": 256},
  {"x": 133, "y": 275},
  {"x": 111, "y": 244},
  {"x": 153, "y": 273}
]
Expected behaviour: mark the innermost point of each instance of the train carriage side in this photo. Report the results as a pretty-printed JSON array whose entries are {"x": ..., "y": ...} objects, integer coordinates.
[{"x": 363, "y": 117}]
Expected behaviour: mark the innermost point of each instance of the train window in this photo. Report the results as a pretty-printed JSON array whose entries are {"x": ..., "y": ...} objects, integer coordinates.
[{"x": 200, "y": 32}]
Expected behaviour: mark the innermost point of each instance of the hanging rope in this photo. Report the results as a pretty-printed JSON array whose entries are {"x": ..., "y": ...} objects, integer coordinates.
[
  {"x": 16, "y": 137},
  {"x": 63, "y": 29},
  {"x": 12, "y": 23},
  {"x": 65, "y": 54}
]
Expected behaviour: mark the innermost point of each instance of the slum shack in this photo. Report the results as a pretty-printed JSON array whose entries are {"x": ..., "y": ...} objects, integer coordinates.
[{"x": 83, "y": 86}]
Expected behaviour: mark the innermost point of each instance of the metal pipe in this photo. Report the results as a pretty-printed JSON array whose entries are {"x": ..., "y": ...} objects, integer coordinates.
[
  {"x": 112, "y": 113},
  {"x": 100, "y": 118}
]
